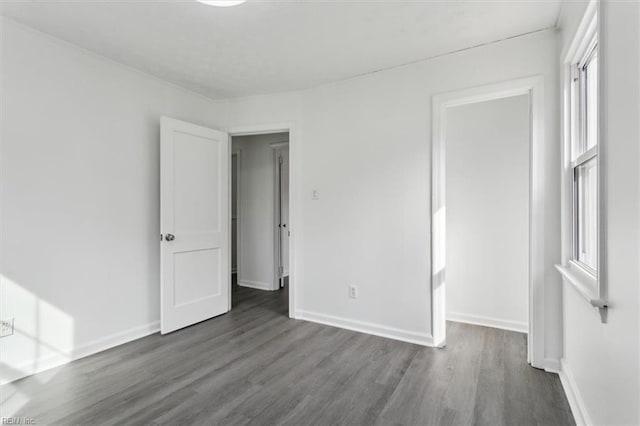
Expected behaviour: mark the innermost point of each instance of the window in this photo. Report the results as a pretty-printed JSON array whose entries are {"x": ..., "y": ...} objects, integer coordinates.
[
  {"x": 583, "y": 262},
  {"x": 584, "y": 159}
]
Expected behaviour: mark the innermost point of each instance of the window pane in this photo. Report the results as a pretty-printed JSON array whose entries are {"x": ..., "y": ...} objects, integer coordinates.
[
  {"x": 591, "y": 75},
  {"x": 586, "y": 183}
]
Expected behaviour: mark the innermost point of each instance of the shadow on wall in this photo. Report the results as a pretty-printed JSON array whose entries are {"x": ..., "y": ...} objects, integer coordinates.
[{"x": 44, "y": 338}]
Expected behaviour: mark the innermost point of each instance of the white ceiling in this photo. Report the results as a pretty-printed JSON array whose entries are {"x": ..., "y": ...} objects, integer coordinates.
[{"x": 270, "y": 46}]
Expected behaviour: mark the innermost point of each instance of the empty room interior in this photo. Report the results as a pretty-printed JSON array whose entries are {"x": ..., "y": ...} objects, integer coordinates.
[{"x": 320, "y": 212}]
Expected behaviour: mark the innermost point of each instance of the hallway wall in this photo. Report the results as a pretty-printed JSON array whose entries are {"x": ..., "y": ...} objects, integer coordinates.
[{"x": 487, "y": 211}]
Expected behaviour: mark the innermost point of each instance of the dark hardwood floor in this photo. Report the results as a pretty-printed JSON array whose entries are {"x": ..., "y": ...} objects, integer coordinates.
[{"x": 256, "y": 366}]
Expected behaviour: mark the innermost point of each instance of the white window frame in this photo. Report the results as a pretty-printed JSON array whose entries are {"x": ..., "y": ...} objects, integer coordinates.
[
  {"x": 580, "y": 154},
  {"x": 589, "y": 282}
]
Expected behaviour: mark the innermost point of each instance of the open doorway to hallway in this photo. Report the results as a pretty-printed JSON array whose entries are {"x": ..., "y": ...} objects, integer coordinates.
[{"x": 260, "y": 216}]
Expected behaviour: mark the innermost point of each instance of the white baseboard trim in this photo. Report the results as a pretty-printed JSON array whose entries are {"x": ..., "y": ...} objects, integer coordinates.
[
  {"x": 578, "y": 407},
  {"x": 521, "y": 327},
  {"x": 48, "y": 362},
  {"x": 552, "y": 365},
  {"x": 423, "y": 339},
  {"x": 255, "y": 284}
]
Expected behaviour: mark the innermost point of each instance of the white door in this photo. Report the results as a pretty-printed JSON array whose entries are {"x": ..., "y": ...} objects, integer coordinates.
[
  {"x": 284, "y": 209},
  {"x": 235, "y": 184},
  {"x": 282, "y": 213},
  {"x": 194, "y": 221}
]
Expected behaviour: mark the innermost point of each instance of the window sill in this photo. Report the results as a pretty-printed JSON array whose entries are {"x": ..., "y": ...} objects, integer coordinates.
[{"x": 585, "y": 283}]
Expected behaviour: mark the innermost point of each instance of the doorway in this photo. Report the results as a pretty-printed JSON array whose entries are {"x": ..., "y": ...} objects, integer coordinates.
[
  {"x": 533, "y": 88},
  {"x": 259, "y": 213}
]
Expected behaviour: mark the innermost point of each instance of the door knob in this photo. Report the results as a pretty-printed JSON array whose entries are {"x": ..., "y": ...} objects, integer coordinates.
[{"x": 170, "y": 237}]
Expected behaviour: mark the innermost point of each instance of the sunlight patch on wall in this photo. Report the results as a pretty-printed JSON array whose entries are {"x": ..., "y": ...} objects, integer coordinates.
[{"x": 43, "y": 334}]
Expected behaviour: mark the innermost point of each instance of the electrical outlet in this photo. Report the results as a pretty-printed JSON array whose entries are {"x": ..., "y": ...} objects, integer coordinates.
[
  {"x": 315, "y": 195},
  {"x": 6, "y": 328},
  {"x": 353, "y": 292}
]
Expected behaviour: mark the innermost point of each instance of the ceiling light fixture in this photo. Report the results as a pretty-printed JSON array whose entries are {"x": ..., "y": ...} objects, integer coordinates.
[{"x": 222, "y": 3}]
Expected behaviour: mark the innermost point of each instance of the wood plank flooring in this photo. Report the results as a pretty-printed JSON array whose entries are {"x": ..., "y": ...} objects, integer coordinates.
[{"x": 255, "y": 366}]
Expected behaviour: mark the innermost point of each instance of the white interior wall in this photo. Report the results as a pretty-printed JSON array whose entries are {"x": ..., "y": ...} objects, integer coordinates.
[
  {"x": 487, "y": 236},
  {"x": 364, "y": 144},
  {"x": 257, "y": 180},
  {"x": 80, "y": 198},
  {"x": 601, "y": 363}
]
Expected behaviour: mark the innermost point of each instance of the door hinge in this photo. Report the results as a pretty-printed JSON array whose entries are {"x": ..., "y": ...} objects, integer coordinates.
[{"x": 280, "y": 270}]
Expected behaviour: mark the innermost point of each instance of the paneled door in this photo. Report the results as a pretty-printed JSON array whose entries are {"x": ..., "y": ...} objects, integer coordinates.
[
  {"x": 284, "y": 211},
  {"x": 281, "y": 202},
  {"x": 194, "y": 221}
]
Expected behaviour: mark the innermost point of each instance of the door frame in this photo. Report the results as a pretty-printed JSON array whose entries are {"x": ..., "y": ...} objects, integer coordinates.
[
  {"x": 534, "y": 88},
  {"x": 277, "y": 206},
  {"x": 265, "y": 129}
]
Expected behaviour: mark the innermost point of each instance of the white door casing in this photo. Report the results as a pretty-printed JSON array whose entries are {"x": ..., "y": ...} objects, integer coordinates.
[{"x": 194, "y": 209}]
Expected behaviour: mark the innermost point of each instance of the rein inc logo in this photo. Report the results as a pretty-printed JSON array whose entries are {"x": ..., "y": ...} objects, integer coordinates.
[{"x": 18, "y": 421}]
